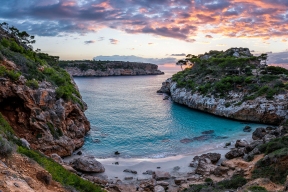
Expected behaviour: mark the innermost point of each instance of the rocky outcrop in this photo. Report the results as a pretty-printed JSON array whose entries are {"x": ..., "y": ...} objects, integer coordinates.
[
  {"x": 88, "y": 164},
  {"x": 48, "y": 124},
  {"x": 257, "y": 110},
  {"x": 110, "y": 68}
]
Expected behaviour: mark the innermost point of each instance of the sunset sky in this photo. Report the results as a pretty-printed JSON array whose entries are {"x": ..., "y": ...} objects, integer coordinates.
[{"x": 161, "y": 31}]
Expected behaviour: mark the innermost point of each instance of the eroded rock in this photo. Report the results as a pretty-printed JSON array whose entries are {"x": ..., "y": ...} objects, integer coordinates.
[{"x": 87, "y": 164}]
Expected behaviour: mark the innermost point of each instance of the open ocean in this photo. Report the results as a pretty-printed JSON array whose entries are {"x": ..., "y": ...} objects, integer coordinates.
[{"x": 127, "y": 115}]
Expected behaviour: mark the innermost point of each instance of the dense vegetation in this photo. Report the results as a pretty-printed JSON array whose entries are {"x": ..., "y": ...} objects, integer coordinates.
[
  {"x": 228, "y": 184},
  {"x": 217, "y": 73},
  {"x": 273, "y": 165},
  {"x": 33, "y": 65}
]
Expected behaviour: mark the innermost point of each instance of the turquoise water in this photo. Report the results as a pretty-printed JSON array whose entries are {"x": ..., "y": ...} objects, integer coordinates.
[{"x": 127, "y": 115}]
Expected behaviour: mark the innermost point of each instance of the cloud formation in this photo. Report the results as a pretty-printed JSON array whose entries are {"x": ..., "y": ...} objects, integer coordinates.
[
  {"x": 178, "y": 55},
  {"x": 278, "y": 58},
  {"x": 133, "y": 58},
  {"x": 181, "y": 19},
  {"x": 89, "y": 42},
  {"x": 113, "y": 41}
]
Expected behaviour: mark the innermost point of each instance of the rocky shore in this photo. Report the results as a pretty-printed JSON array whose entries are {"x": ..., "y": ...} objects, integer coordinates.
[
  {"x": 109, "y": 68},
  {"x": 237, "y": 158},
  {"x": 257, "y": 110}
]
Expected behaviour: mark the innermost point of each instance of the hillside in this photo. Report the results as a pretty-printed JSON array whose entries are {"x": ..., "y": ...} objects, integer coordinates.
[
  {"x": 108, "y": 68},
  {"x": 233, "y": 84},
  {"x": 41, "y": 116}
]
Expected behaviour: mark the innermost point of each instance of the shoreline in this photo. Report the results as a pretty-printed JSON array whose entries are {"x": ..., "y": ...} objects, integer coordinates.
[{"x": 115, "y": 172}]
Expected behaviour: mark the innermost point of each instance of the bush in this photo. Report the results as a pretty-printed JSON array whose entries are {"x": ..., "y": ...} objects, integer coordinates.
[
  {"x": 32, "y": 84},
  {"x": 257, "y": 189},
  {"x": 6, "y": 148},
  {"x": 233, "y": 183},
  {"x": 60, "y": 174}
]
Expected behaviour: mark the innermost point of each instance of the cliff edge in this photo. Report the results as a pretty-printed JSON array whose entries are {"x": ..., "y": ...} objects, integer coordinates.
[
  {"x": 38, "y": 98},
  {"x": 109, "y": 68},
  {"x": 233, "y": 84}
]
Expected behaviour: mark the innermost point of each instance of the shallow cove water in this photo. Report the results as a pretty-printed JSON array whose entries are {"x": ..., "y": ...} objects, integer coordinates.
[{"x": 127, "y": 115}]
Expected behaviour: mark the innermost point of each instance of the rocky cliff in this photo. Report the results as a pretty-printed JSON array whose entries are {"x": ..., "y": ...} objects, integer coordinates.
[
  {"x": 239, "y": 95},
  {"x": 109, "y": 68},
  {"x": 40, "y": 100}
]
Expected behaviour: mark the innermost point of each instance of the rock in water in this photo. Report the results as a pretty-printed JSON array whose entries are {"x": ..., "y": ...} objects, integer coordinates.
[
  {"x": 117, "y": 153},
  {"x": 186, "y": 140},
  {"x": 87, "y": 164},
  {"x": 247, "y": 129},
  {"x": 208, "y": 132},
  {"x": 130, "y": 171}
]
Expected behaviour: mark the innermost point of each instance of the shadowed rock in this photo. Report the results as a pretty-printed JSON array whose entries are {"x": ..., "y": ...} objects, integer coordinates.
[{"x": 88, "y": 164}]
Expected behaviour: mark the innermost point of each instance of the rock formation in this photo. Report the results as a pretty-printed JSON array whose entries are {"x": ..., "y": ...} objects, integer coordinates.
[
  {"x": 227, "y": 91},
  {"x": 109, "y": 68}
]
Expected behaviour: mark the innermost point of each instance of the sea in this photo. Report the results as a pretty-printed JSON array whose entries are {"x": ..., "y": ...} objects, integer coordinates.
[{"x": 128, "y": 116}]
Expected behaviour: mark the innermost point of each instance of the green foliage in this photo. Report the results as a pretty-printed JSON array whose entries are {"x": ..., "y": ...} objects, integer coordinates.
[
  {"x": 54, "y": 131},
  {"x": 5, "y": 42},
  {"x": 277, "y": 70},
  {"x": 273, "y": 166},
  {"x": 233, "y": 183},
  {"x": 6, "y": 147},
  {"x": 5, "y": 128},
  {"x": 32, "y": 84},
  {"x": 13, "y": 75},
  {"x": 269, "y": 78},
  {"x": 60, "y": 174},
  {"x": 257, "y": 189}
]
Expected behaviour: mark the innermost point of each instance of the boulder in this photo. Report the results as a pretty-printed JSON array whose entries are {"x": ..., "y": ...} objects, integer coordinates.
[
  {"x": 240, "y": 143},
  {"x": 268, "y": 137},
  {"x": 235, "y": 153},
  {"x": 214, "y": 157},
  {"x": 87, "y": 164},
  {"x": 161, "y": 175},
  {"x": 259, "y": 133},
  {"x": 220, "y": 171},
  {"x": 130, "y": 171},
  {"x": 180, "y": 180},
  {"x": 128, "y": 178},
  {"x": 252, "y": 145},
  {"x": 205, "y": 167},
  {"x": 148, "y": 172},
  {"x": 56, "y": 158},
  {"x": 25, "y": 143},
  {"x": 159, "y": 188},
  {"x": 44, "y": 177},
  {"x": 162, "y": 183},
  {"x": 247, "y": 129}
]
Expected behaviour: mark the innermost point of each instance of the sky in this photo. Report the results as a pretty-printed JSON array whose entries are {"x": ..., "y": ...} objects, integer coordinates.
[{"x": 156, "y": 31}]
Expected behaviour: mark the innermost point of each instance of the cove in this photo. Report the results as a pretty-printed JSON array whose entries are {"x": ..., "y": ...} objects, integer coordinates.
[{"x": 127, "y": 115}]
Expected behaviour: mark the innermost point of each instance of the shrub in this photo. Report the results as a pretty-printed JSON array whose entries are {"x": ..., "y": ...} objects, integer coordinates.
[
  {"x": 60, "y": 174},
  {"x": 32, "y": 84},
  {"x": 233, "y": 183},
  {"x": 257, "y": 189},
  {"x": 13, "y": 75},
  {"x": 5, "y": 42},
  {"x": 6, "y": 148}
]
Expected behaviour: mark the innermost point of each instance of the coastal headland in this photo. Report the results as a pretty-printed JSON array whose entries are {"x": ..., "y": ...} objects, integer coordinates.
[{"x": 108, "y": 68}]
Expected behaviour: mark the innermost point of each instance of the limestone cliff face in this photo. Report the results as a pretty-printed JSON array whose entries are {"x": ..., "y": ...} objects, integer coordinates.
[
  {"x": 259, "y": 110},
  {"x": 111, "y": 68},
  {"x": 49, "y": 124}
]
